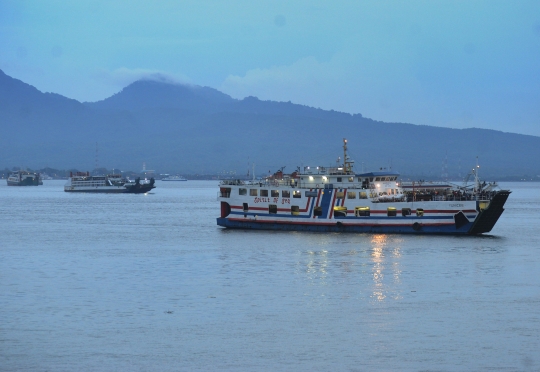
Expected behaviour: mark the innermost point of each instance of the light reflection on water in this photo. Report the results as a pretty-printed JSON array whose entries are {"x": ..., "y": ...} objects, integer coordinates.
[{"x": 385, "y": 254}]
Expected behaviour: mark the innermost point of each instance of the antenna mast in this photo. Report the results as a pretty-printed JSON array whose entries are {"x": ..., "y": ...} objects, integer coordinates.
[
  {"x": 476, "y": 179},
  {"x": 97, "y": 158},
  {"x": 347, "y": 167}
]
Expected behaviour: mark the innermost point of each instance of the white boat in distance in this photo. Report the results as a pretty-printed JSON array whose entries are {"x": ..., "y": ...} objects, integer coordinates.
[
  {"x": 112, "y": 183},
  {"x": 174, "y": 178},
  {"x": 24, "y": 178}
]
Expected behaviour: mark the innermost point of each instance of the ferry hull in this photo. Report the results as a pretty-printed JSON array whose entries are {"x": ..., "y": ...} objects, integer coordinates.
[
  {"x": 339, "y": 227},
  {"x": 439, "y": 222},
  {"x": 23, "y": 183},
  {"x": 105, "y": 190}
]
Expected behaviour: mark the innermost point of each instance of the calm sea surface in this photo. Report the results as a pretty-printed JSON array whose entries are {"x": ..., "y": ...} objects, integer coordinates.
[{"x": 150, "y": 283}]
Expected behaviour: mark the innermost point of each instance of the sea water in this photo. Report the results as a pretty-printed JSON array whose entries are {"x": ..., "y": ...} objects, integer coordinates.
[{"x": 97, "y": 282}]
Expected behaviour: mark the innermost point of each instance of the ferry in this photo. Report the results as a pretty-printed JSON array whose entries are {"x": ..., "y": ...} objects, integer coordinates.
[
  {"x": 24, "y": 178},
  {"x": 336, "y": 199},
  {"x": 112, "y": 183}
]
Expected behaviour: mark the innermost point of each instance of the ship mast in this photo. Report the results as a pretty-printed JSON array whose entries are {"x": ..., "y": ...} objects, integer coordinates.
[
  {"x": 476, "y": 179},
  {"x": 347, "y": 168}
]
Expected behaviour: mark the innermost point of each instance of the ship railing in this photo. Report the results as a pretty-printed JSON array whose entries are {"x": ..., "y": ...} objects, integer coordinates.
[
  {"x": 294, "y": 183},
  {"x": 232, "y": 182},
  {"x": 450, "y": 197},
  {"x": 341, "y": 185}
]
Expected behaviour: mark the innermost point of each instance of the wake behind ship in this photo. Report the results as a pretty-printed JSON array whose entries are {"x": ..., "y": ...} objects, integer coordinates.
[
  {"x": 336, "y": 199},
  {"x": 112, "y": 183}
]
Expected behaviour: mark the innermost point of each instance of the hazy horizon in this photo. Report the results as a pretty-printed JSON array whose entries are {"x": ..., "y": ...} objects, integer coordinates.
[{"x": 449, "y": 63}]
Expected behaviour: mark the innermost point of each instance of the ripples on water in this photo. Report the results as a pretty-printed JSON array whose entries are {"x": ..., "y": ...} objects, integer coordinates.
[{"x": 150, "y": 283}]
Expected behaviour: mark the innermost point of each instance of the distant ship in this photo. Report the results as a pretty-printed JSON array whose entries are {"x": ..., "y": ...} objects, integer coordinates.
[
  {"x": 336, "y": 199},
  {"x": 112, "y": 183},
  {"x": 24, "y": 178},
  {"x": 174, "y": 178}
]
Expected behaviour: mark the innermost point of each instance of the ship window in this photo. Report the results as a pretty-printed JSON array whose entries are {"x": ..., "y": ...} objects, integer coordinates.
[
  {"x": 295, "y": 210},
  {"x": 359, "y": 179},
  {"x": 351, "y": 195},
  {"x": 391, "y": 211},
  {"x": 340, "y": 195},
  {"x": 377, "y": 179},
  {"x": 245, "y": 207},
  {"x": 361, "y": 211},
  {"x": 351, "y": 179},
  {"x": 285, "y": 193},
  {"x": 317, "y": 211},
  {"x": 242, "y": 191},
  {"x": 363, "y": 195},
  {"x": 225, "y": 192},
  {"x": 371, "y": 179},
  {"x": 419, "y": 212},
  {"x": 274, "y": 193},
  {"x": 406, "y": 212},
  {"x": 339, "y": 179},
  {"x": 310, "y": 193},
  {"x": 252, "y": 192},
  {"x": 264, "y": 192},
  {"x": 296, "y": 194},
  {"x": 272, "y": 208}
]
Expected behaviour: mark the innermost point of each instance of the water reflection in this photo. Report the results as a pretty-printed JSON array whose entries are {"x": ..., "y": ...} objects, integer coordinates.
[
  {"x": 381, "y": 247},
  {"x": 367, "y": 266},
  {"x": 317, "y": 265}
]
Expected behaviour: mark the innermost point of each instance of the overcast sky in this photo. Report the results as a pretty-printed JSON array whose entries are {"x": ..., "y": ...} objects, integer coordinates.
[{"x": 457, "y": 64}]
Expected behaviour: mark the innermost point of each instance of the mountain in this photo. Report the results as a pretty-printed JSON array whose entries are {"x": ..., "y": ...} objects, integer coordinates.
[
  {"x": 146, "y": 94},
  {"x": 192, "y": 129}
]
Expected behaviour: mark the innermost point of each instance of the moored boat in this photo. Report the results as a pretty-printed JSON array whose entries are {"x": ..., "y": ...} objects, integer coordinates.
[
  {"x": 337, "y": 199},
  {"x": 24, "y": 178},
  {"x": 112, "y": 183}
]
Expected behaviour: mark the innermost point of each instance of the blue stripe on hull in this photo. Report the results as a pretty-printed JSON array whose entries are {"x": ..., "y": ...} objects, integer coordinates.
[
  {"x": 350, "y": 218},
  {"x": 448, "y": 229},
  {"x": 325, "y": 202}
]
